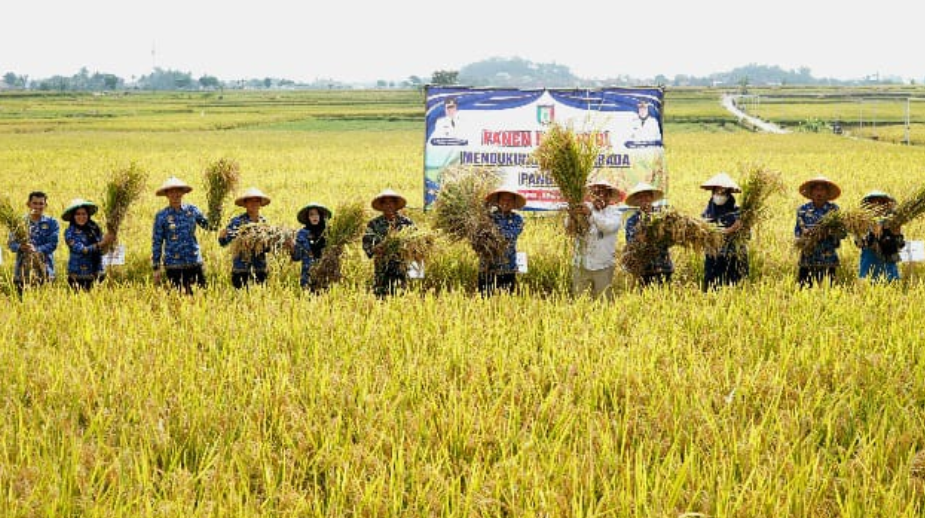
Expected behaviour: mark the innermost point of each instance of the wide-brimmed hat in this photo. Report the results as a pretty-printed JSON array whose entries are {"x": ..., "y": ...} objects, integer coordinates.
[
  {"x": 303, "y": 212},
  {"x": 519, "y": 200},
  {"x": 77, "y": 203},
  {"x": 389, "y": 193},
  {"x": 253, "y": 192},
  {"x": 615, "y": 191},
  {"x": 173, "y": 183},
  {"x": 877, "y": 195},
  {"x": 721, "y": 181},
  {"x": 632, "y": 198},
  {"x": 807, "y": 187}
]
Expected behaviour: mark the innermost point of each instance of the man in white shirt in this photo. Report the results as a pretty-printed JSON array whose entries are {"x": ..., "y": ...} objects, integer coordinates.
[{"x": 595, "y": 252}]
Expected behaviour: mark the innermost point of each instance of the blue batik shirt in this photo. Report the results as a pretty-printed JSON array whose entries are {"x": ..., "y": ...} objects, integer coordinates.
[
  {"x": 43, "y": 234},
  {"x": 510, "y": 225},
  {"x": 826, "y": 252},
  {"x": 308, "y": 248},
  {"x": 725, "y": 216},
  {"x": 174, "y": 237},
  {"x": 244, "y": 263},
  {"x": 661, "y": 263},
  {"x": 86, "y": 259}
]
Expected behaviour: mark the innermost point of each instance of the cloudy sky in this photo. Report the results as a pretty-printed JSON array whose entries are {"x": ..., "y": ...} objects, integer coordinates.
[{"x": 367, "y": 40}]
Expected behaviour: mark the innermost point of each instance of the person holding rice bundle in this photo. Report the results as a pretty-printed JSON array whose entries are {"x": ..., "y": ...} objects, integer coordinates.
[
  {"x": 309, "y": 241},
  {"x": 658, "y": 266},
  {"x": 881, "y": 245},
  {"x": 174, "y": 238},
  {"x": 246, "y": 267},
  {"x": 390, "y": 274},
  {"x": 41, "y": 245},
  {"x": 729, "y": 264},
  {"x": 822, "y": 261},
  {"x": 85, "y": 240},
  {"x": 502, "y": 273},
  {"x": 595, "y": 253}
]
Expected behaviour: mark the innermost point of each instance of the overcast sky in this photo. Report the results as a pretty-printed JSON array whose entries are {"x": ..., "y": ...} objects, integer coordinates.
[{"x": 367, "y": 40}]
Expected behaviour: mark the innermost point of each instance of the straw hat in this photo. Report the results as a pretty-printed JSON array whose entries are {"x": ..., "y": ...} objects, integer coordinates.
[
  {"x": 303, "y": 212},
  {"x": 807, "y": 187},
  {"x": 173, "y": 183},
  {"x": 877, "y": 195},
  {"x": 632, "y": 198},
  {"x": 721, "y": 181},
  {"x": 519, "y": 200},
  {"x": 77, "y": 203},
  {"x": 612, "y": 189},
  {"x": 253, "y": 192},
  {"x": 389, "y": 193}
]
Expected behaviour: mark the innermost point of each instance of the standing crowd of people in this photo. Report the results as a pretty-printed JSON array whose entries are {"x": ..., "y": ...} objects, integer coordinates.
[{"x": 176, "y": 255}]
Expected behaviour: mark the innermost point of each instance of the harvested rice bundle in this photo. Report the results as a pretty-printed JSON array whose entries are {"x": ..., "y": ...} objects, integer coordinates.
[
  {"x": 569, "y": 158},
  {"x": 407, "y": 245},
  {"x": 32, "y": 268},
  {"x": 667, "y": 228},
  {"x": 123, "y": 189},
  {"x": 461, "y": 212},
  {"x": 907, "y": 210},
  {"x": 256, "y": 238},
  {"x": 837, "y": 224},
  {"x": 760, "y": 183},
  {"x": 221, "y": 179},
  {"x": 346, "y": 227}
]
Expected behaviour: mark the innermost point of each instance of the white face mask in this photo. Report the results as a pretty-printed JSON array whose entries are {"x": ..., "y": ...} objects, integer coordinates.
[{"x": 720, "y": 199}]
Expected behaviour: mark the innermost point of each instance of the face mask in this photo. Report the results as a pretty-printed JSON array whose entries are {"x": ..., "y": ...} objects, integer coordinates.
[{"x": 720, "y": 199}]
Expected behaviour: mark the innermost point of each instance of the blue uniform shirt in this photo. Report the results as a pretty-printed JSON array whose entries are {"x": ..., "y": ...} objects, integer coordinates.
[
  {"x": 510, "y": 225},
  {"x": 825, "y": 254},
  {"x": 661, "y": 263},
  {"x": 174, "y": 237},
  {"x": 43, "y": 234},
  {"x": 240, "y": 264},
  {"x": 308, "y": 248},
  {"x": 86, "y": 260}
]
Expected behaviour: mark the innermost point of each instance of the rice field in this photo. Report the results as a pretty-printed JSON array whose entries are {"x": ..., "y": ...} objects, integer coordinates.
[{"x": 759, "y": 400}]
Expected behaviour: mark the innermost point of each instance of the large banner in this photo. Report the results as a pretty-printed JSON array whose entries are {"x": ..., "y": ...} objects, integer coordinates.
[{"x": 499, "y": 128}]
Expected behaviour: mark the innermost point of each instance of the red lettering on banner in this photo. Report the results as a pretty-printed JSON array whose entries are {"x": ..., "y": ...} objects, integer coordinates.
[{"x": 509, "y": 138}]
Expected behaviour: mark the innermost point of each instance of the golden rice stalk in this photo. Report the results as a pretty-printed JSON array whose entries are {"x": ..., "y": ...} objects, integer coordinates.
[
  {"x": 14, "y": 221},
  {"x": 917, "y": 467},
  {"x": 347, "y": 225},
  {"x": 32, "y": 269},
  {"x": 907, "y": 210},
  {"x": 407, "y": 244},
  {"x": 253, "y": 239},
  {"x": 221, "y": 179},
  {"x": 837, "y": 224},
  {"x": 461, "y": 212},
  {"x": 569, "y": 158},
  {"x": 124, "y": 188},
  {"x": 760, "y": 183}
]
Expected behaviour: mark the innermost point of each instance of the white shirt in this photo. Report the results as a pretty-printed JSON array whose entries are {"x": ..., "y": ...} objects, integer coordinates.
[{"x": 599, "y": 249}]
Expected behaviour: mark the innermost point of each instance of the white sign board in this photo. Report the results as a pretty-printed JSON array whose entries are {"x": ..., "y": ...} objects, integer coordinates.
[
  {"x": 913, "y": 252},
  {"x": 115, "y": 257},
  {"x": 521, "y": 262},
  {"x": 416, "y": 270}
]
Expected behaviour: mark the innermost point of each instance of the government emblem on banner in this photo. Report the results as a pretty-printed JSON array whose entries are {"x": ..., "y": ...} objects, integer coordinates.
[{"x": 545, "y": 113}]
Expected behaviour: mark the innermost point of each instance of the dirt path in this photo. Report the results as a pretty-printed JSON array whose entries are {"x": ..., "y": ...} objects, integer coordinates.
[{"x": 729, "y": 102}]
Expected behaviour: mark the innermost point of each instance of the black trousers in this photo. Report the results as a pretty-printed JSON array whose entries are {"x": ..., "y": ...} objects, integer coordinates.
[
  {"x": 242, "y": 279},
  {"x": 809, "y": 276},
  {"x": 185, "y": 278},
  {"x": 489, "y": 283}
]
